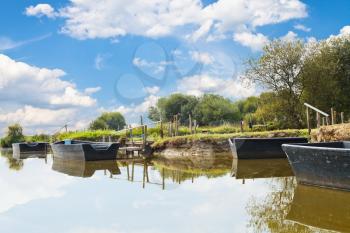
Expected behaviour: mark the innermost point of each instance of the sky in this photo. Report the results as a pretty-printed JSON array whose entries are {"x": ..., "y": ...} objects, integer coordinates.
[{"x": 67, "y": 61}]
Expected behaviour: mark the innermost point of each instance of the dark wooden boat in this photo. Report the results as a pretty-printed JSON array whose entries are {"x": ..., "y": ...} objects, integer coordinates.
[
  {"x": 83, "y": 150},
  {"x": 28, "y": 150},
  {"x": 327, "y": 209},
  {"x": 260, "y": 148},
  {"x": 321, "y": 164},
  {"x": 84, "y": 168},
  {"x": 257, "y": 168}
]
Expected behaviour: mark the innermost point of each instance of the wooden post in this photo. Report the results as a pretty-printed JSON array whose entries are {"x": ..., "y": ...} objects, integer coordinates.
[
  {"x": 145, "y": 136},
  {"x": 327, "y": 120},
  {"x": 323, "y": 121},
  {"x": 190, "y": 123},
  {"x": 308, "y": 120},
  {"x": 318, "y": 118},
  {"x": 335, "y": 117},
  {"x": 195, "y": 126},
  {"x": 342, "y": 117},
  {"x": 163, "y": 179},
  {"x": 332, "y": 116},
  {"x": 242, "y": 126},
  {"x": 161, "y": 132}
]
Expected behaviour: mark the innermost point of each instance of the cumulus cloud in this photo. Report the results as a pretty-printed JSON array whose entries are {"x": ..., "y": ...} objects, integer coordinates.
[
  {"x": 38, "y": 98},
  {"x": 302, "y": 27},
  {"x": 139, "y": 109},
  {"x": 41, "y": 10},
  {"x": 202, "y": 57},
  {"x": 88, "y": 20},
  {"x": 290, "y": 37},
  {"x": 91, "y": 90},
  {"x": 201, "y": 84},
  {"x": 254, "y": 41}
]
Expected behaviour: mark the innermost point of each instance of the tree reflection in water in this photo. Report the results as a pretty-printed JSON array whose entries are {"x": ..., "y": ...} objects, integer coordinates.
[
  {"x": 269, "y": 214},
  {"x": 13, "y": 164}
]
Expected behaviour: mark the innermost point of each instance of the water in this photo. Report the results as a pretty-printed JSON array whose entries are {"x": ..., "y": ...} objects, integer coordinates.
[{"x": 42, "y": 195}]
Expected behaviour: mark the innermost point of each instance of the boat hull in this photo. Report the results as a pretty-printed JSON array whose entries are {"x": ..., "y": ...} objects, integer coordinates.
[
  {"x": 260, "y": 148},
  {"x": 321, "y": 164},
  {"x": 84, "y": 152},
  {"x": 26, "y": 150}
]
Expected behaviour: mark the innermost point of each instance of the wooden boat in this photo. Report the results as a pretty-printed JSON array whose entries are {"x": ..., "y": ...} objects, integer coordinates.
[
  {"x": 84, "y": 168},
  {"x": 321, "y": 164},
  {"x": 257, "y": 168},
  {"x": 83, "y": 150},
  {"x": 260, "y": 148},
  {"x": 29, "y": 150},
  {"x": 327, "y": 209}
]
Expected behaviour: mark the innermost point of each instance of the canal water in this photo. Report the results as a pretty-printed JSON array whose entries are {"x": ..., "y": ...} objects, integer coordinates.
[{"x": 46, "y": 195}]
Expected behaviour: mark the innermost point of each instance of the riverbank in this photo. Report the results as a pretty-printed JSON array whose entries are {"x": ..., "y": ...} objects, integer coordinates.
[{"x": 208, "y": 145}]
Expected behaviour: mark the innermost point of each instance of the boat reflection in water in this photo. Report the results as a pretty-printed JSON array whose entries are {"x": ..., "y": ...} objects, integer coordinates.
[
  {"x": 84, "y": 168},
  {"x": 258, "y": 168},
  {"x": 327, "y": 209}
]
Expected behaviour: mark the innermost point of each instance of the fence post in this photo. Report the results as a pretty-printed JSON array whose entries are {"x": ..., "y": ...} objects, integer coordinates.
[
  {"x": 318, "y": 118},
  {"x": 190, "y": 123},
  {"x": 323, "y": 121},
  {"x": 195, "y": 126},
  {"x": 332, "y": 115},
  {"x": 308, "y": 120},
  {"x": 342, "y": 117},
  {"x": 161, "y": 129},
  {"x": 145, "y": 135}
]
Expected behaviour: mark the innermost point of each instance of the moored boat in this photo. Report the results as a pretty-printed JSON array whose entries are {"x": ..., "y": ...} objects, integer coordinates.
[
  {"x": 321, "y": 164},
  {"x": 25, "y": 150},
  {"x": 84, "y": 150},
  {"x": 261, "y": 148}
]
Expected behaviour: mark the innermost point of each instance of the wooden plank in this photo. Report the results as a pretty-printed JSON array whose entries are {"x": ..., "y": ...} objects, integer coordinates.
[
  {"x": 308, "y": 120},
  {"x": 316, "y": 109}
]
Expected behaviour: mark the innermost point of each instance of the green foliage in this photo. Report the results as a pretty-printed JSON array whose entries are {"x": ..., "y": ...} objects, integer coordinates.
[
  {"x": 214, "y": 110},
  {"x": 280, "y": 69},
  {"x": 38, "y": 138},
  {"x": 14, "y": 135},
  {"x": 108, "y": 120}
]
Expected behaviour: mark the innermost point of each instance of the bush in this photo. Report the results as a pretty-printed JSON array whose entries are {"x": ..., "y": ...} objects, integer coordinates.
[{"x": 14, "y": 135}]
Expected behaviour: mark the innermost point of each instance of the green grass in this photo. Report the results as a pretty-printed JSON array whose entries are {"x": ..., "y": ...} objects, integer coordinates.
[{"x": 179, "y": 140}]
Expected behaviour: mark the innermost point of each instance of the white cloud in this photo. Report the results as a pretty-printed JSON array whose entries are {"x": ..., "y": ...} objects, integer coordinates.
[
  {"x": 38, "y": 98},
  {"x": 41, "y": 10},
  {"x": 139, "y": 109},
  {"x": 201, "y": 57},
  {"x": 92, "y": 90},
  {"x": 289, "y": 37},
  {"x": 152, "y": 90},
  {"x": 201, "y": 84},
  {"x": 302, "y": 27},
  {"x": 88, "y": 20},
  {"x": 254, "y": 41},
  {"x": 345, "y": 30}
]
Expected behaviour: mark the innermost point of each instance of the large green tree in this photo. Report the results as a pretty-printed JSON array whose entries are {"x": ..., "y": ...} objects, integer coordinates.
[
  {"x": 279, "y": 69},
  {"x": 108, "y": 120}
]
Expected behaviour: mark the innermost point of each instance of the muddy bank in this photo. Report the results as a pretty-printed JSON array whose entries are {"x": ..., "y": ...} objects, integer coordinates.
[
  {"x": 197, "y": 149},
  {"x": 331, "y": 133}
]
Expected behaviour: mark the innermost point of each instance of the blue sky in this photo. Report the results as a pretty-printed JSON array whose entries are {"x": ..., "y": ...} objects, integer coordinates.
[{"x": 68, "y": 61}]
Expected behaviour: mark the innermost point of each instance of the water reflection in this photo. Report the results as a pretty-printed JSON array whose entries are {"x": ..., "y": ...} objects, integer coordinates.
[
  {"x": 260, "y": 168},
  {"x": 13, "y": 164},
  {"x": 83, "y": 168},
  {"x": 322, "y": 208},
  {"x": 199, "y": 196}
]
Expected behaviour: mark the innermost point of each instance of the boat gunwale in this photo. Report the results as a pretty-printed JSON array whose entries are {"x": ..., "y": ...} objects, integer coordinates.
[{"x": 305, "y": 145}]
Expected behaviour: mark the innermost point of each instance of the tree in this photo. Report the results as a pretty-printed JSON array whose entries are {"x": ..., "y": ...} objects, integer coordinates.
[
  {"x": 109, "y": 120},
  {"x": 280, "y": 69},
  {"x": 326, "y": 75},
  {"x": 214, "y": 109},
  {"x": 174, "y": 104},
  {"x": 14, "y": 135}
]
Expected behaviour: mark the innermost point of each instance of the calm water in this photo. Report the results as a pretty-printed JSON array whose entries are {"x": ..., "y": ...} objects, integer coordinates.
[{"x": 42, "y": 195}]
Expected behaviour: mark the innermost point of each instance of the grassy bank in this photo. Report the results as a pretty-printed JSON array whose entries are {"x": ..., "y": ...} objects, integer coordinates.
[{"x": 180, "y": 140}]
